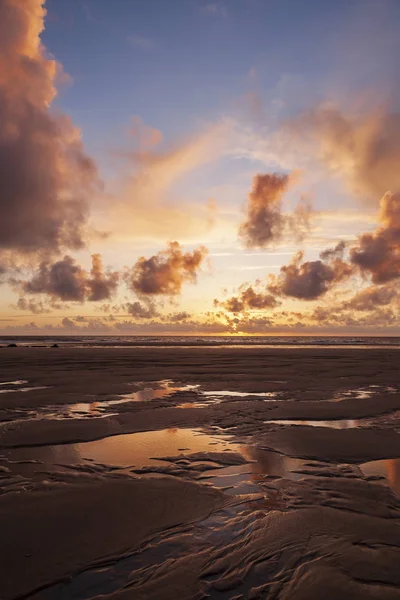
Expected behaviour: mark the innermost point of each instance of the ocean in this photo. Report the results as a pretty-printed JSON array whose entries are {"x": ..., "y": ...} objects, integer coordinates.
[{"x": 189, "y": 341}]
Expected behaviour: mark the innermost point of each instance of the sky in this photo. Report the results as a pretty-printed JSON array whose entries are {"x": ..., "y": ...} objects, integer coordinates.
[{"x": 199, "y": 168}]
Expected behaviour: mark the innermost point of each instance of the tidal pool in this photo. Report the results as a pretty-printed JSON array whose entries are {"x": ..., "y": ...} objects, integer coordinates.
[
  {"x": 389, "y": 469},
  {"x": 332, "y": 424}
]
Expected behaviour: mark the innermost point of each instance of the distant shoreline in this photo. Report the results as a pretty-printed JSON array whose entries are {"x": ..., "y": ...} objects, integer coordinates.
[{"x": 124, "y": 341}]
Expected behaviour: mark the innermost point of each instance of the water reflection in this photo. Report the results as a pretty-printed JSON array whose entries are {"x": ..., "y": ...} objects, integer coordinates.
[
  {"x": 157, "y": 390},
  {"x": 228, "y": 393},
  {"x": 146, "y": 449},
  {"x": 273, "y": 464},
  {"x": 147, "y": 392},
  {"x": 143, "y": 449},
  {"x": 363, "y": 392},
  {"x": 339, "y": 424},
  {"x": 389, "y": 469},
  {"x": 140, "y": 449},
  {"x": 22, "y": 389},
  {"x": 135, "y": 449}
]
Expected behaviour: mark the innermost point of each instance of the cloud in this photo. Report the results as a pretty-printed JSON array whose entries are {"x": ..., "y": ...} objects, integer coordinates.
[
  {"x": 145, "y": 138},
  {"x": 33, "y": 306},
  {"x": 175, "y": 323},
  {"x": 265, "y": 222},
  {"x": 157, "y": 171},
  {"x": 66, "y": 280},
  {"x": 311, "y": 279},
  {"x": 45, "y": 176},
  {"x": 248, "y": 299},
  {"x": 371, "y": 298},
  {"x": 177, "y": 317},
  {"x": 336, "y": 252},
  {"x": 375, "y": 254},
  {"x": 101, "y": 285},
  {"x": 165, "y": 272},
  {"x": 150, "y": 184},
  {"x": 363, "y": 149},
  {"x": 141, "y": 310},
  {"x": 145, "y": 309},
  {"x": 378, "y": 253}
]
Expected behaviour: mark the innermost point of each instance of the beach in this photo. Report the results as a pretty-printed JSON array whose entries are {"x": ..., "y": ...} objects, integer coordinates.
[{"x": 193, "y": 472}]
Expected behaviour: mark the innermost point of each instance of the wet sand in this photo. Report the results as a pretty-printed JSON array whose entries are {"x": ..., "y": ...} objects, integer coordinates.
[{"x": 235, "y": 473}]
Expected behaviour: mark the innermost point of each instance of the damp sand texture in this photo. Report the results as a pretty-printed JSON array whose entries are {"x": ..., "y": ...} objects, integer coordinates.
[{"x": 228, "y": 473}]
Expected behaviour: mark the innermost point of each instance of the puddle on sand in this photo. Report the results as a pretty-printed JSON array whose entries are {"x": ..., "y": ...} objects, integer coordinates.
[
  {"x": 149, "y": 391},
  {"x": 147, "y": 449},
  {"x": 98, "y": 408},
  {"x": 197, "y": 404},
  {"x": 218, "y": 530},
  {"x": 266, "y": 465},
  {"x": 363, "y": 392},
  {"x": 10, "y": 390},
  {"x": 165, "y": 388},
  {"x": 58, "y": 413},
  {"x": 227, "y": 393},
  {"x": 263, "y": 465},
  {"x": 339, "y": 423},
  {"x": 154, "y": 391},
  {"x": 135, "y": 449},
  {"x": 389, "y": 469},
  {"x": 140, "y": 449},
  {"x": 82, "y": 410}
]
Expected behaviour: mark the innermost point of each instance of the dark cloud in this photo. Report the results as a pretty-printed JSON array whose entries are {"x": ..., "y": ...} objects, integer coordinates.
[
  {"x": 33, "y": 306},
  {"x": 165, "y": 272},
  {"x": 265, "y": 222},
  {"x": 45, "y": 176},
  {"x": 68, "y": 323},
  {"x": 311, "y": 279},
  {"x": 371, "y": 298},
  {"x": 375, "y": 254},
  {"x": 102, "y": 285},
  {"x": 255, "y": 325},
  {"x": 141, "y": 310},
  {"x": 177, "y": 317},
  {"x": 248, "y": 299},
  {"x": 66, "y": 280},
  {"x": 378, "y": 253},
  {"x": 336, "y": 252},
  {"x": 337, "y": 318},
  {"x": 80, "y": 319}
]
